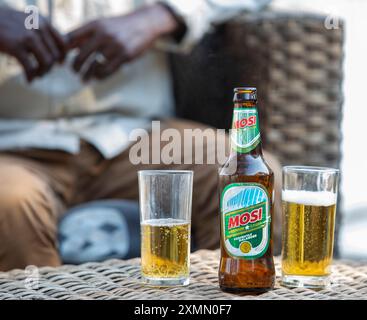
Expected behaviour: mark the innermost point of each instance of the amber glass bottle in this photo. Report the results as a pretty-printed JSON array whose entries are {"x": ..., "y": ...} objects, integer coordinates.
[{"x": 246, "y": 204}]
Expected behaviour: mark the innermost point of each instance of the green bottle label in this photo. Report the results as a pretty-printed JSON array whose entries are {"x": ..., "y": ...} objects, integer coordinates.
[
  {"x": 245, "y": 134},
  {"x": 245, "y": 220}
]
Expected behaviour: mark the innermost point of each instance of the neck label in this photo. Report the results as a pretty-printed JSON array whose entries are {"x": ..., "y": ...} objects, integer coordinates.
[{"x": 245, "y": 134}]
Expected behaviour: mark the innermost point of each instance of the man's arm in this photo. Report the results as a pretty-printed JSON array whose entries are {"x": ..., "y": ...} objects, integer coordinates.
[
  {"x": 105, "y": 44},
  {"x": 200, "y": 15},
  {"x": 118, "y": 40},
  {"x": 36, "y": 50}
]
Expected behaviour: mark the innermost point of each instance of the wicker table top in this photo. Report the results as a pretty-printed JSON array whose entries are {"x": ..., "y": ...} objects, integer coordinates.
[{"x": 117, "y": 279}]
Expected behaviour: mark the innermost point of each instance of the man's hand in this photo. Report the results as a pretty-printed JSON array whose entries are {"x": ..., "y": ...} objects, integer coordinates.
[
  {"x": 118, "y": 40},
  {"x": 36, "y": 50}
]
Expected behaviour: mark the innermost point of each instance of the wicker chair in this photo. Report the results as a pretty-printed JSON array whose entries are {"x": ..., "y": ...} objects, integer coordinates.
[{"x": 296, "y": 64}]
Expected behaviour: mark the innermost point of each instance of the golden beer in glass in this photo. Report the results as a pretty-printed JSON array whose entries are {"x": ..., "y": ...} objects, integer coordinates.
[
  {"x": 308, "y": 225},
  {"x": 165, "y": 221},
  {"x": 165, "y": 248}
]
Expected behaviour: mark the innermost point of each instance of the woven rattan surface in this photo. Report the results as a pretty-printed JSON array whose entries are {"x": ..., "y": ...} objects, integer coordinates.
[{"x": 121, "y": 280}]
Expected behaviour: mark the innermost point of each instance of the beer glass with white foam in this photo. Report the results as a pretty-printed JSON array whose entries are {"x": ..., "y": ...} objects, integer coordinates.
[
  {"x": 165, "y": 216},
  {"x": 309, "y": 199}
]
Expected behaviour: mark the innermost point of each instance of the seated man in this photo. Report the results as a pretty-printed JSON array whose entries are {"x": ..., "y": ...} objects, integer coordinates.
[{"x": 64, "y": 142}]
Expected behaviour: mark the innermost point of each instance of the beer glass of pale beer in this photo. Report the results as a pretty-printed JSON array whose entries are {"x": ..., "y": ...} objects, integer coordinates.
[
  {"x": 309, "y": 199},
  {"x": 165, "y": 217}
]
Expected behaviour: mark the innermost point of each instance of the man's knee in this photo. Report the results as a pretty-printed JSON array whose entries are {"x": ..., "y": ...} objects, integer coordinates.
[
  {"x": 20, "y": 188},
  {"x": 27, "y": 217}
]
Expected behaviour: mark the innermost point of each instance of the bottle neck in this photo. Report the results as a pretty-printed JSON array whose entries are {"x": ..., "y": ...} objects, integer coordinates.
[{"x": 245, "y": 135}]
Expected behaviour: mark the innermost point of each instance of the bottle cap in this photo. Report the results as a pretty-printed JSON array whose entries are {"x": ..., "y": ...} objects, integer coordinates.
[{"x": 246, "y": 94}]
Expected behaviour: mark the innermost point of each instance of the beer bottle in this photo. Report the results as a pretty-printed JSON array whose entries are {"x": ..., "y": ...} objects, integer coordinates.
[{"x": 246, "y": 198}]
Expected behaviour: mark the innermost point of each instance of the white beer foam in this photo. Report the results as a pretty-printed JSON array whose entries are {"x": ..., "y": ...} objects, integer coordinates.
[{"x": 310, "y": 198}]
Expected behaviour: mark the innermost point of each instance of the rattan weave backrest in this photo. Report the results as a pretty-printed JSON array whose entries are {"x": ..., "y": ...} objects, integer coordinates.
[{"x": 300, "y": 85}]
